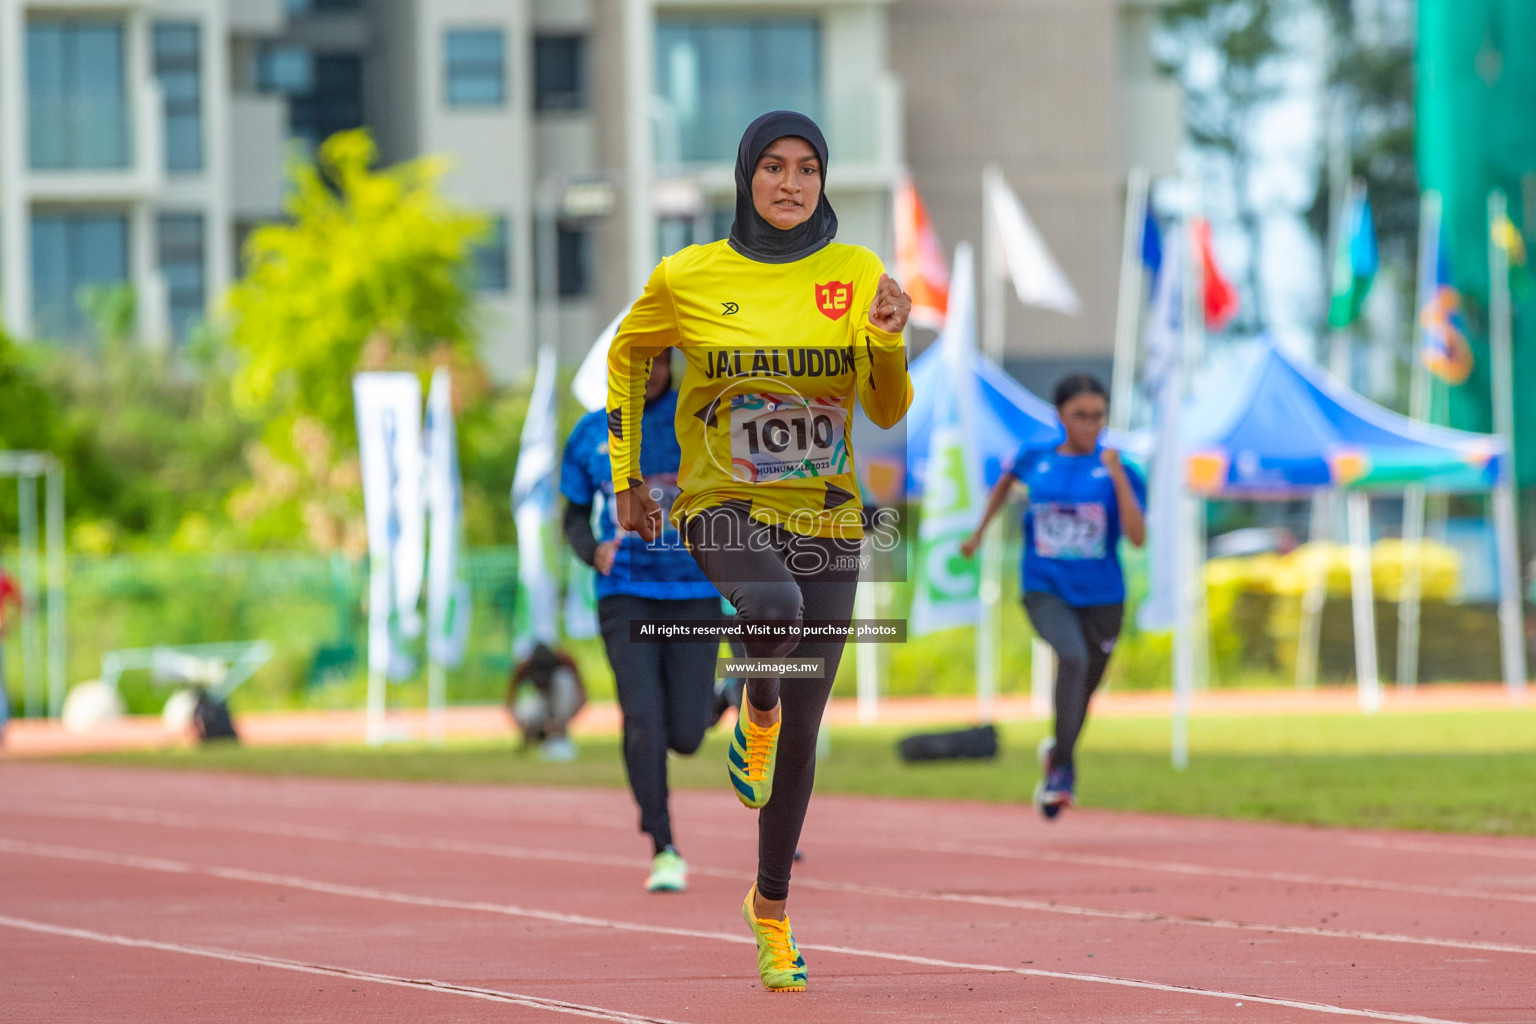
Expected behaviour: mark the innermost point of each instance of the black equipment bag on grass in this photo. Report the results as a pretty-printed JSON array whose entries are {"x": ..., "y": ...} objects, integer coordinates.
[
  {"x": 210, "y": 719},
  {"x": 979, "y": 743}
]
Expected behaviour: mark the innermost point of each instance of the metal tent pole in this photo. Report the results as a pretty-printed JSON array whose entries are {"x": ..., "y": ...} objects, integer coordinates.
[
  {"x": 53, "y": 541},
  {"x": 1364, "y": 602}
]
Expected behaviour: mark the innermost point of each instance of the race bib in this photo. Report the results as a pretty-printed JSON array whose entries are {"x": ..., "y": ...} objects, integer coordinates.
[
  {"x": 786, "y": 437},
  {"x": 1067, "y": 529}
]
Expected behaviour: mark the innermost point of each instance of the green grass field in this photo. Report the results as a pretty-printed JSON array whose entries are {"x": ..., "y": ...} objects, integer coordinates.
[{"x": 1472, "y": 771}]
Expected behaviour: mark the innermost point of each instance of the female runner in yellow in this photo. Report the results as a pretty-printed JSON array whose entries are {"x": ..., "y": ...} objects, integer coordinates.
[{"x": 781, "y": 328}]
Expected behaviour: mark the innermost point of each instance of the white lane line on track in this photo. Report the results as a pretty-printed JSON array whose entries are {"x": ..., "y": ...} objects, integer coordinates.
[
  {"x": 1208, "y": 870},
  {"x": 177, "y": 819},
  {"x": 1028, "y": 855},
  {"x": 1451, "y": 846},
  {"x": 583, "y": 920},
  {"x": 352, "y": 974},
  {"x": 520, "y": 813}
]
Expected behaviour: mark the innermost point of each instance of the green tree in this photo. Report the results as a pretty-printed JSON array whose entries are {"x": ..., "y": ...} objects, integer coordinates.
[
  {"x": 1373, "y": 77},
  {"x": 29, "y": 413},
  {"x": 1228, "y": 54},
  {"x": 369, "y": 273}
]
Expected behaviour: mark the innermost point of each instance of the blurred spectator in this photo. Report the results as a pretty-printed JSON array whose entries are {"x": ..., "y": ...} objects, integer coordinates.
[{"x": 543, "y": 696}]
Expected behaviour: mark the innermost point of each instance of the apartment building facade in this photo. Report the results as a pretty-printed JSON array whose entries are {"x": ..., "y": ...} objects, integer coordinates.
[{"x": 141, "y": 140}]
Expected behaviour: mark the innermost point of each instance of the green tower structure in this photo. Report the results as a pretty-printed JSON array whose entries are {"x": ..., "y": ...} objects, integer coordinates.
[{"x": 1476, "y": 132}]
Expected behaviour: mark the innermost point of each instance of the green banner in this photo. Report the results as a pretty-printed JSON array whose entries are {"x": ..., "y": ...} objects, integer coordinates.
[{"x": 1475, "y": 133}]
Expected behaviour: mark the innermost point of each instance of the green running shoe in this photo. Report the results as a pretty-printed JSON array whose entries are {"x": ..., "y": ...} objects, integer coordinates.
[
  {"x": 669, "y": 873},
  {"x": 779, "y": 962},
  {"x": 750, "y": 759}
]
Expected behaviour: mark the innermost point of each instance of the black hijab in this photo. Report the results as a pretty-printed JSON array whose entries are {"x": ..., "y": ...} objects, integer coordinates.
[{"x": 751, "y": 235}]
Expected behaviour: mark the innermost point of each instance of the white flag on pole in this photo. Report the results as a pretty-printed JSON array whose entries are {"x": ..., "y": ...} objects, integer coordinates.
[
  {"x": 949, "y": 584},
  {"x": 448, "y": 598},
  {"x": 389, "y": 448},
  {"x": 1037, "y": 279},
  {"x": 1164, "y": 376},
  {"x": 533, "y": 512},
  {"x": 590, "y": 385}
]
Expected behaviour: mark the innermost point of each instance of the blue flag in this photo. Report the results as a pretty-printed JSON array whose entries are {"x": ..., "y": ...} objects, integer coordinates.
[{"x": 1151, "y": 244}]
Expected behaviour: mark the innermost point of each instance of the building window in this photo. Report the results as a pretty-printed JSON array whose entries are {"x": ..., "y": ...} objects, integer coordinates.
[
  {"x": 560, "y": 73},
  {"x": 299, "y": 8},
  {"x": 324, "y": 90},
  {"x": 476, "y": 67},
  {"x": 76, "y": 96},
  {"x": 573, "y": 246},
  {"x": 179, "y": 69},
  {"x": 716, "y": 74},
  {"x": 491, "y": 258},
  {"x": 181, "y": 264},
  {"x": 289, "y": 70},
  {"x": 73, "y": 251}
]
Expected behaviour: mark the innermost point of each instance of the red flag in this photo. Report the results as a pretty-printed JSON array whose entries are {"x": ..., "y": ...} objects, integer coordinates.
[
  {"x": 1221, "y": 301},
  {"x": 920, "y": 265}
]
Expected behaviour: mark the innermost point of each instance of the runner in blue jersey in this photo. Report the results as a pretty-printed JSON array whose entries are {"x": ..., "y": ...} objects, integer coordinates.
[
  {"x": 1081, "y": 501},
  {"x": 666, "y": 690}
]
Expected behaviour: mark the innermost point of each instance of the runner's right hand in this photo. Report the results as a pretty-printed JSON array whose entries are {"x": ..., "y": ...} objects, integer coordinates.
[{"x": 638, "y": 512}]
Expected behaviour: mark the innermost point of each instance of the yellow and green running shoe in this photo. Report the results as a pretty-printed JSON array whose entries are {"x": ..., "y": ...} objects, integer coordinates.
[
  {"x": 779, "y": 962},
  {"x": 669, "y": 873},
  {"x": 750, "y": 759}
]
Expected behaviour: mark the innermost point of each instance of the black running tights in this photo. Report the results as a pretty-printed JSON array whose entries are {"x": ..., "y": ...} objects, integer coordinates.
[
  {"x": 666, "y": 693},
  {"x": 772, "y": 575},
  {"x": 1083, "y": 639}
]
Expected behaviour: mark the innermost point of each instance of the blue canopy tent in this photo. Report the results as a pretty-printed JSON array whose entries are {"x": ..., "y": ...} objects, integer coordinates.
[
  {"x": 1008, "y": 417},
  {"x": 1281, "y": 428},
  {"x": 1285, "y": 429}
]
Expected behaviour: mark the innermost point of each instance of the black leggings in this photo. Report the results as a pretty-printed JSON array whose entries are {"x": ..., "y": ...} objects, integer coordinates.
[
  {"x": 667, "y": 695},
  {"x": 773, "y": 575},
  {"x": 1083, "y": 639}
]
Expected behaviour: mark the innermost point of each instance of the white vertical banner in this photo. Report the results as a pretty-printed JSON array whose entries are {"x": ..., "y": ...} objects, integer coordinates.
[
  {"x": 448, "y": 598},
  {"x": 580, "y": 600},
  {"x": 389, "y": 447},
  {"x": 949, "y": 583},
  {"x": 590, "y": 385},
  {"x": 533, "y": 512}
]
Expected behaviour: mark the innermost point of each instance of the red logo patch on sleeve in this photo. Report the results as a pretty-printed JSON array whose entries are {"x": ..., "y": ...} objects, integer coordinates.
[{"x": 834, "y": 298}]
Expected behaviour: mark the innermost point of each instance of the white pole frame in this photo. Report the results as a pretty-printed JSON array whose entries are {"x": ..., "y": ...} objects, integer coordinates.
[
  {"x": 1185, "y": 635},
  {"x": 1363, "y": 600},
  {"x": 1316, "y": 595},
  {"x": 1042, "y": 679},
  {"x": 27, "y": 467},
  {"x": 1501, "y": 357},
  {"x": 1128, "y": 311},
  {"x": 994, "y": 333},
  {"x": 865, "y": 664}
]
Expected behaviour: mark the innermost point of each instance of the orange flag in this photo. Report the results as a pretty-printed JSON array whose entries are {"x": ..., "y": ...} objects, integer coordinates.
[{"x": 920, "y": 265}]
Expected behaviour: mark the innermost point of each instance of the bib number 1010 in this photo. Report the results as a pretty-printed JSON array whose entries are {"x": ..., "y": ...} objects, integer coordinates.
[{"x": 775, "y": 434}]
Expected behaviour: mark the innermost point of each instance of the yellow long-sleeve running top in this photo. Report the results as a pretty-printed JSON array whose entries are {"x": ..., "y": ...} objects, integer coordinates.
[{"x": 775, "y": 353}]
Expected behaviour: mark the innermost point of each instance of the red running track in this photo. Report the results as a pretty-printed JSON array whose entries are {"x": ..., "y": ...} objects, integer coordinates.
[{"x": 135, "y": 895}]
